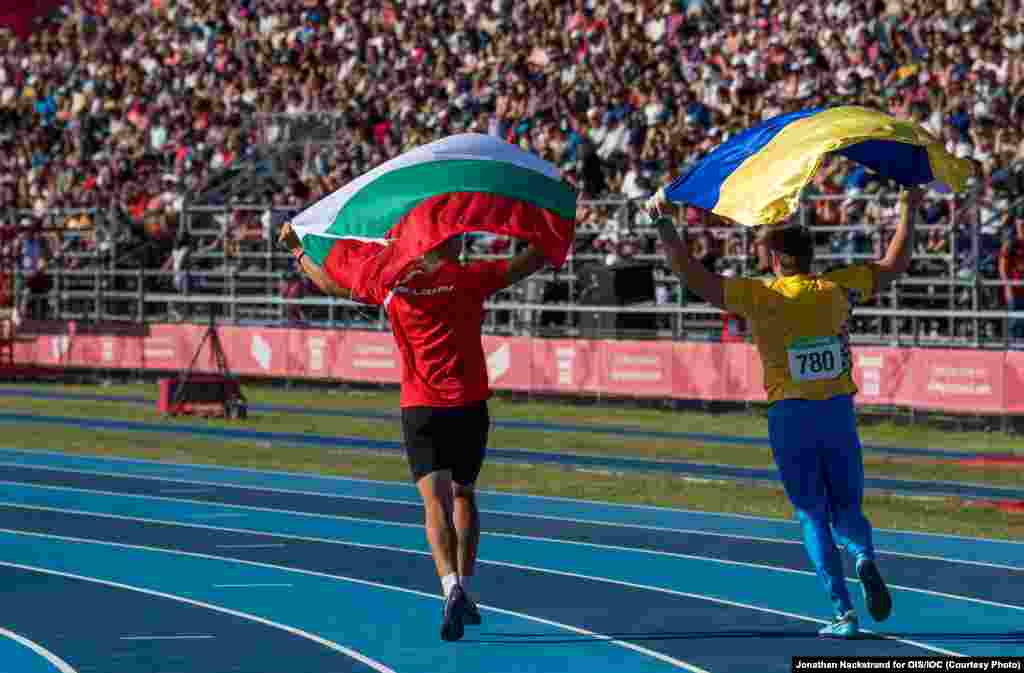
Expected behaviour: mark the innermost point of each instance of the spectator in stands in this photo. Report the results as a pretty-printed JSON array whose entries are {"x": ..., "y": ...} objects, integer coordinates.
[
  {"x": 33, "y": 260},
  {"x": 1011, "y": 268},
  {"x": 178, "y": 264},
  {"x": 294, "y": 287},
  {"x": 91, "y": 115}
]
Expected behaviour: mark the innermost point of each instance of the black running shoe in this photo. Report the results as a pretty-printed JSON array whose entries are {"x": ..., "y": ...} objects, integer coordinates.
[
  {"x": 876, "y": 594},
  {"x": 472, "y": 614},
  {"x": 455, "y": 607}
]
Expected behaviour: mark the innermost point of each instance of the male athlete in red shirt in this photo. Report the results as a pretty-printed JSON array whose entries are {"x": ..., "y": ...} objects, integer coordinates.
[{"x": 436, "y": 313}]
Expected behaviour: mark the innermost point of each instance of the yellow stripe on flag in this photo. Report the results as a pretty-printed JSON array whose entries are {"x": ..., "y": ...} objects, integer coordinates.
[{"x": 775, "y": 176}]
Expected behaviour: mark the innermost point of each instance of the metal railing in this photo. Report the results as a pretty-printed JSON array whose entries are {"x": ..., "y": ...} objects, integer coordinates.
[
  {"x": 245, "y": 298},
  {"x": 248, "y": 285}
]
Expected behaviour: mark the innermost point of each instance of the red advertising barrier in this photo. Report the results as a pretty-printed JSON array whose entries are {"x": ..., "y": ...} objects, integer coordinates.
[
  {"x": 565, "y": 366},
  {"x": 879, "y": 373},
  {"x": 509, "y": 362},
  {"x": 638, "y": 368},
  {"x": 367, "y": 356},
  {"x": 255, "y": 352},
  {"x": 953, "y": 380},
  {"x": 1013, "y": 390},
  {"x": 312, "y": 354}
]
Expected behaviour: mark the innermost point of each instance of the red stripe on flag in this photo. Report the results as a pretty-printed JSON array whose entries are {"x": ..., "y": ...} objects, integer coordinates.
[{"x": 371, "y": 272}]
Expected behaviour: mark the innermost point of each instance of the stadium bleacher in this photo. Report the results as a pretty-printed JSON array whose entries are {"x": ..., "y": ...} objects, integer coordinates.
[{"x": 232, "y": 113}]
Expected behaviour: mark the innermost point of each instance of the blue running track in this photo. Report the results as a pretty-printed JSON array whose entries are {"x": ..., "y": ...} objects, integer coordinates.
[{"x": 142, "y": 566}]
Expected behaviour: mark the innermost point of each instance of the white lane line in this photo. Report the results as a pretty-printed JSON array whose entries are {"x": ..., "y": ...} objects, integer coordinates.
[
  {"x": 58, "y": 663},
  {"x": 166, "y": 637},
  {"x": 375, "y": 665},
  {"x": 311, "y": 573},
  {"x": 252, "y": 586},
  {"x": 533, "y": 568},
  {"x": 185, "y": 491},
  {"x": 250, "y": 546},
  {"x": 514, "y": 536},
  {"x": 1016, "y": 569},
  {"x": 217, "y": 515},
  {"x": 411, "y": 503},
  {"x": 200, "y": 467}
]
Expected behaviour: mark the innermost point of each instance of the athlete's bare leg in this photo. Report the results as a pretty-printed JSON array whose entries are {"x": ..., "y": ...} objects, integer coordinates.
[
  {"x": 436, "y": 491},
  {"x": 467, "y": 527}
]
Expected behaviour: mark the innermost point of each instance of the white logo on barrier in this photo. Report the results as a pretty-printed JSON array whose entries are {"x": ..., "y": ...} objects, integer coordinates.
[
  {"x": 631, "y": 368},
  {"x": 870, "y": 374},
  {"x": 158, "y": 348},
  {"x": 499, "y": 362},
  {"x": 566, "y": 357},
  {"x": 59, "y": 346},
  {"x": 317, "y": 346},
  {"x": 370, "y": 356},
  {"x": 965, "y": 381},
  {"x": 107, "y": 346},
  {"x": 261, "y": 351}
]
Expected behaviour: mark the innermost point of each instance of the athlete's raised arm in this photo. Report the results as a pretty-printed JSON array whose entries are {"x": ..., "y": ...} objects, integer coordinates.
[
  {"x": 897, "y": 257},
  {"x": 708, "y": 285},
  {"x": 327, "y": 285}
]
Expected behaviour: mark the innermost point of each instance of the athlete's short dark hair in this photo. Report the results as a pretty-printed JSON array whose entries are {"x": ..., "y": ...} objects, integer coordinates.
[{"x": 793, "y": 243}]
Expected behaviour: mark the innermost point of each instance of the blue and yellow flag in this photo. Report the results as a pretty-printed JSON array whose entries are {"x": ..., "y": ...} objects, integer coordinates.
[{"x": 756, "y": 177}]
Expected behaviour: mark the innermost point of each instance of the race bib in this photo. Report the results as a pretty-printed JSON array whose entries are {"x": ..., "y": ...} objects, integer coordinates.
[{"x": 816, "y": 359}]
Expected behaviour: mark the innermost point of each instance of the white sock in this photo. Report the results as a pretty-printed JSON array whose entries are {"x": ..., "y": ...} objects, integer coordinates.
[
  {"x": 464, "y": 581},
  {"x": 448, "y": 583}
]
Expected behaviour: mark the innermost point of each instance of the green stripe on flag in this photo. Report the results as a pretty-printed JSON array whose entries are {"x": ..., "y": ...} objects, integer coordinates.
[{"x": 378, "y": 206}]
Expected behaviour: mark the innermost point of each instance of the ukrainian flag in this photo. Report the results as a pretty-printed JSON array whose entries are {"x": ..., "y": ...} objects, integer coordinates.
[{"x": 756, "y": 177}]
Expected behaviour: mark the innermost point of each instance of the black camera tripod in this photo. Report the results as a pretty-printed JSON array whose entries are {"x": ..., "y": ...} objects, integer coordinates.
[{"x": 235, "y": 404}]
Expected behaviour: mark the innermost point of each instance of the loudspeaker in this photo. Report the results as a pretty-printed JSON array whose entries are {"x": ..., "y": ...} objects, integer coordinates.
[
  {"x": 619, "y": 285},
  {"x": 632, "y": 283},
  {"x": 555, "y": 292},
  {"x": 637, "y": 322}
]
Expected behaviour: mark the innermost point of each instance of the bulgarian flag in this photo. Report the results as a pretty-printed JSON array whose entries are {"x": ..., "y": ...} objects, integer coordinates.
[{"x": 367, "y": 233}]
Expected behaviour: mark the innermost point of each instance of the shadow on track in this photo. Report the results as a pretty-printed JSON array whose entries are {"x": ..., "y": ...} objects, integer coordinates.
[{"x": 1011, "y": 637}]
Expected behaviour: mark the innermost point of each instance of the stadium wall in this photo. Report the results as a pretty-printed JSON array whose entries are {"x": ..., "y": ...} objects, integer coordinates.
[{"x": 966, "y": 381}]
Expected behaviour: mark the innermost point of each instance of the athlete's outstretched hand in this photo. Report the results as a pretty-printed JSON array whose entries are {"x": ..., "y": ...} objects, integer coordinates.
[
  {"x": 288, "y": 239},
  {"x": 658, "y": 205}
]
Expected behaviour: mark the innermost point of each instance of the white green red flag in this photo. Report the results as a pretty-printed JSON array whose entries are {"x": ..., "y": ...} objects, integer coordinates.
[{"x": 373, "y": 228}]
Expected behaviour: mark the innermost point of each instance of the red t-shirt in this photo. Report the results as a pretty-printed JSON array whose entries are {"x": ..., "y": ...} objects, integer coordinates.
[{"x": 437, "y": 319}]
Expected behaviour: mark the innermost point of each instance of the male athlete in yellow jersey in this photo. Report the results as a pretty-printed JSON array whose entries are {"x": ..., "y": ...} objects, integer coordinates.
[{"x": 799, "y": 324}]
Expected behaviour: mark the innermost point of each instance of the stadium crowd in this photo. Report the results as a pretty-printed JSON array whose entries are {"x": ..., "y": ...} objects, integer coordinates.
[{"x": 123, "y": 107}]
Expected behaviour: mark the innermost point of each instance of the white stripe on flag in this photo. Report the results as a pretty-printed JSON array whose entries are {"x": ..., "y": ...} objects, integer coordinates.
[{"x": 473, "y": 146}]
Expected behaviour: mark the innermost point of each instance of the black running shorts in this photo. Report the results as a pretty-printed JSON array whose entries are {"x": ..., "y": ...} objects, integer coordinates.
[{"x": 446, "y": 438}]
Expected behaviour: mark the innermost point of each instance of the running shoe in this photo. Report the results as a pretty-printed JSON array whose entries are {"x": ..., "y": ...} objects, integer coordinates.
[
  {"x": 844, "y": 626},
  {"x": 455, "y": 607},
  {"x": 876, "y": 594},
  {"x": 472, "y": 614}
]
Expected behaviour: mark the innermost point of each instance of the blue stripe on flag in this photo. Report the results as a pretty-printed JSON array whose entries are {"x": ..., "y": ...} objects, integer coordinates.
[
  {"x": 910, "y": 162},
  {"x": 702, "y": 184}
]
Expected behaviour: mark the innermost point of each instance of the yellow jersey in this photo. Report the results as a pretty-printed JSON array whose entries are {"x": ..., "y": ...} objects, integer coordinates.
[{"x": 800, "y": 327}]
